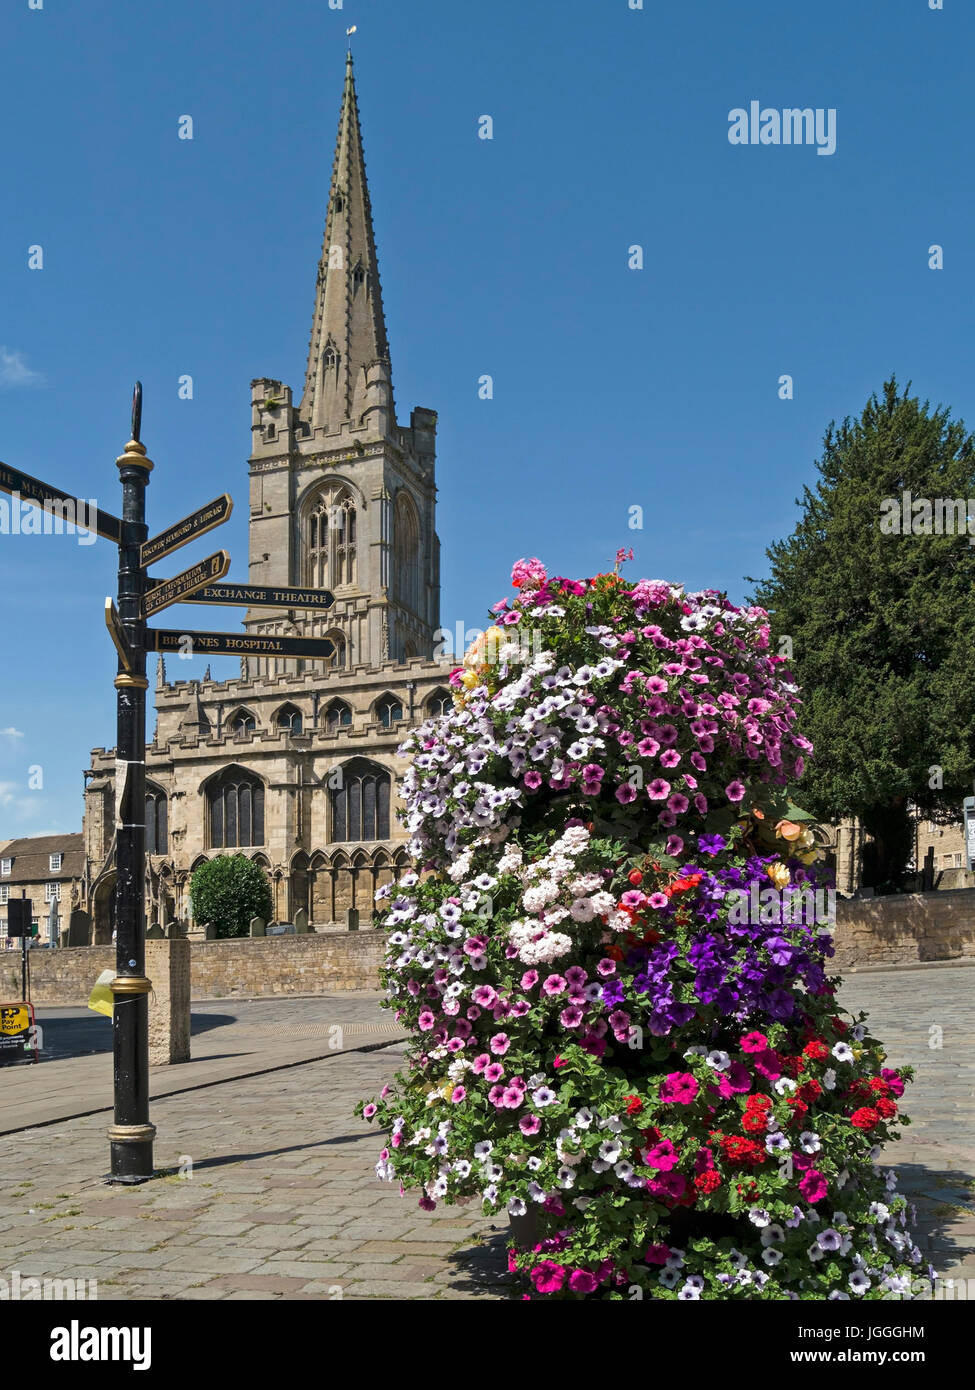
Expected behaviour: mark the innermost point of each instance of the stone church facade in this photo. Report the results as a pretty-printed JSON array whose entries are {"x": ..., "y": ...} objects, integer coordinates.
[{"x": 294, "y": 762}]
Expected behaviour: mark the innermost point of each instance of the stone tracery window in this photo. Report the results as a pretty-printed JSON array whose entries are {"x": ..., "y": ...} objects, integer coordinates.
[
  {"x": 406, "y": 552},
  {"x": 235, "y": 800},
  {"x": 330, "y": 540},
  {"x": 360, "y": 806},
  {"x": 338, "y": 716},
  {"x": 157, "y": 820}
]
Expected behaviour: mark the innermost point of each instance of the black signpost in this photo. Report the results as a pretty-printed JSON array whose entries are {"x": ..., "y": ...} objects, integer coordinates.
[
  {"x": 178, "y": 589},
  {"x": 131, "y": 1135},
  {"x": 163, "y": 639},
  {"x": 258, "y": 596}
]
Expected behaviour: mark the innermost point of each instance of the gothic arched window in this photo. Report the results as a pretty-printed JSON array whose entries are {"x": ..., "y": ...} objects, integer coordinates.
[
  {"x": 338, "y": 716},
  {"x": 290, "y": 719},
  {"x": 242, "y": 724},
  {"x": 360, "y": 806},
  {"x": 389, "y": 711},
  {"x": 358, "y": 275},
  {"x": 235, "y": 800},
  {"x": 439, "y": 703},
  {"x": 157, "y": 820},
  {"x": 330, "y": 540},
  {"x": 406, "y": 552}
]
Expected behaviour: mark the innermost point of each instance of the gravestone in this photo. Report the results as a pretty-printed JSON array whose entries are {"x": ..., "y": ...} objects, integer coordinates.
[
  {"x": 79, "y": 927},
  {"x": 211, "y": 931},
  {"x": 258, "y": 926},
  {"x": 352, "y": 918},
  {"x": 155, "y": 933},
  {"x": 301, "y": 922}
]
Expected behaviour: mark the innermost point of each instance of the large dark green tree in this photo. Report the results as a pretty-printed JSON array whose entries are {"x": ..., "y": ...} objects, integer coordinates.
[
  {"x": 228, "y": 891},
  {"x": 882, "y": 623}
]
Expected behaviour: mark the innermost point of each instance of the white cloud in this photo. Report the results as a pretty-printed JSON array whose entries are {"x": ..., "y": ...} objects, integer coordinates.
[
  {"x": 11, "y": 732},
  {"x": 14, "y": 371}
]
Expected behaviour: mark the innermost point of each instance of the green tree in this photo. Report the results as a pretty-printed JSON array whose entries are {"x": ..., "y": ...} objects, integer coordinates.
[
  {"x": 881, "y": 623},
  {"x": 228, "y": 891}
]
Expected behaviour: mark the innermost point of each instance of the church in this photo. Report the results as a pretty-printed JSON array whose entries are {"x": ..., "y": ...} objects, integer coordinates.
[{"x": 294, "y": 762}]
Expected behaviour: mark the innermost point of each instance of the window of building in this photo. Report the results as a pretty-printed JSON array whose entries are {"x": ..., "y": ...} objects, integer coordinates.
[
  {"x": 957, "y": 863},
  {"x": 6, "y": 867},
  {"x": 338, "y": 716},
  {"x": 52, "y": 892},
  {"x": 236, "y": 809},
  {"x": 439, "y": 703},
  {"x": 358, "y": 275},
  {"x": 389, "y": 711},
  {"x": 54, "y": 863},
  {"x": 330, "y": 540},
  {"x": 289, "y": 719},
  {"x": 242, "y": 724},
  {"x": 4, "y": 894},
  {"x": 360, "y": 806},
  {"x": 406, "y": 552},
  {"x": 157, "y": 821}
]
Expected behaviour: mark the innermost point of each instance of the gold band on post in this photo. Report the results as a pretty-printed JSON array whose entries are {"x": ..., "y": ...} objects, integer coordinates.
[
  {"x": 131, "y": 683},
  {"x": 130, "y": 984},
  {"x": 135, "y": 453},
  {"x": 131, "y": 1134}
]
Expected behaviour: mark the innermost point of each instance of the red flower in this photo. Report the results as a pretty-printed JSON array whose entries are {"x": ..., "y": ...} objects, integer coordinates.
[
  {"x": 742, "y": 1151},
  {"x": 753, "y": 1121},
  {"x": 865, "y": 1118},
  {"x": 633, "y": 1105},
  {"x": 885, "y": 1108},
  {"x": 815, "y": 1050},
  {"x": 878, "y": 1084},
  {"x": 635, "y": 877},
  {"x": 707, "y": 1181},
  {"x": 758, "y": 1102},
  {"x": 810, "y": 1090}
]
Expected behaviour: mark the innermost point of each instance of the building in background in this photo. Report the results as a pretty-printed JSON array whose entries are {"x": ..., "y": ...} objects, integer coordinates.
[
  {"x": 293, "y": 763},
  {"x": 48, "y": 869}
]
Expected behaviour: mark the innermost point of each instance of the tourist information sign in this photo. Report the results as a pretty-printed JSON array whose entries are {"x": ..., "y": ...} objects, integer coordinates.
[
  {"x": 969, "y": 812},
  {"x": 197, "y": 524},
  {"x": 161, "y": 639},
  {"x": 259, "y": 596},
  {"x": 179, "y": 588},
  {"x": 83, "y": 515}
]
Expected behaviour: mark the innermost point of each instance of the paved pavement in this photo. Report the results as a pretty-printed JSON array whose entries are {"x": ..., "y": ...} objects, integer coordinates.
[
  {"x": 229, "y": 1039},
  {"x": 269, "y": 1189}
]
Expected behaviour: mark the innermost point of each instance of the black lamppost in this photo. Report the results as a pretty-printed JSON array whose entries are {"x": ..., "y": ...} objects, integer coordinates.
[{"x": 131, "y": 1135}]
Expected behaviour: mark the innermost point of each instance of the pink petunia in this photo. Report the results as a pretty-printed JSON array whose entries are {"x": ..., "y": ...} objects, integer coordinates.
[
  {"x": 813, "y": 1186},
  {"x": 680, "y": 1087}
]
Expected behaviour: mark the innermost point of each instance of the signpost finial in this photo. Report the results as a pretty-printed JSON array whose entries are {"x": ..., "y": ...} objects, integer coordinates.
[{"x": 137, "y": 412}]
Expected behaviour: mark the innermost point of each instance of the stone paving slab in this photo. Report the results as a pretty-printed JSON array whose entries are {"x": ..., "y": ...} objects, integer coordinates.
[
  {"x": 281, "y": 1202},
  {"x": 258, "y": 1036}
]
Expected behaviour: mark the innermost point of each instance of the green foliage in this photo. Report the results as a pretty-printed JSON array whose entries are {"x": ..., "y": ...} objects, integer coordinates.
[
  {"x": 229, "y": 891},
  {"x": 881, "y": 624}
]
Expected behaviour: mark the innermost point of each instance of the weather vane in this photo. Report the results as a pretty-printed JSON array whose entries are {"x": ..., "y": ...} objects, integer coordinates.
[
  {"x": 137, "y": 411},
  {"x": 348, "y": 34}
]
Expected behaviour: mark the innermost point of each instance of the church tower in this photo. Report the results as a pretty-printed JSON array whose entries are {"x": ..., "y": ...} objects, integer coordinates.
[{"x": 342, "y": 496}]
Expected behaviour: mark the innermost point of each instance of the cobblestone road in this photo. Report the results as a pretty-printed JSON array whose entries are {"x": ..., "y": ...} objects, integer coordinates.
[{"x": 283, "y": 1203}]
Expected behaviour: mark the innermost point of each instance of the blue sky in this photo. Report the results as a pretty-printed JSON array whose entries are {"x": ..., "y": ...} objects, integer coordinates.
[{"x": 613, "y": 387}]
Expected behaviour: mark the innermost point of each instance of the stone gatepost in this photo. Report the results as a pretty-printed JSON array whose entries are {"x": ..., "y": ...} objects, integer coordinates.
[{"x": 168, "y": 967}]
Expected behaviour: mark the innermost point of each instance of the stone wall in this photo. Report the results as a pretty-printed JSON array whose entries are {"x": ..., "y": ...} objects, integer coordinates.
[
  {"x": 218, "y": 969},
  {"x": 906, "y": 929}
]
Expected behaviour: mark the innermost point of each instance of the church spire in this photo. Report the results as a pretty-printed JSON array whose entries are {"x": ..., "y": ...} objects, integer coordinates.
[{"x": 348, "y": 376}]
